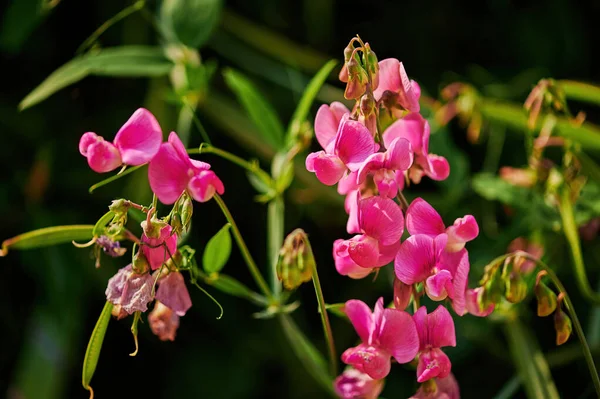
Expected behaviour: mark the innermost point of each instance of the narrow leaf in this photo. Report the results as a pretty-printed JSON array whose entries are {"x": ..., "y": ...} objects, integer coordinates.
[
  {"x": 189, "y": 21},
  {"x": 259, "y": 110},
  {"x": 124, "y": 61},
  {"x": 48, "y": 236},
  {"x": 102, "y": 222},
  {"x": 217, "y": 251},
  {"x": 92, "y": 354}
]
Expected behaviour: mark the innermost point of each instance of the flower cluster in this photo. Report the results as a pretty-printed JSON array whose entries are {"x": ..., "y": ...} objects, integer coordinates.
[
  {"x": 373, "y": 152},
  {"x": 174, "y": 178}
]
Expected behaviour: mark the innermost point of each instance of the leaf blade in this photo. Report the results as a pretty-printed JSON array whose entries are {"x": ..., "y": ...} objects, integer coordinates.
[
  {"x": 217, "y": 251},
  {"x": 190, "y": 22},
  {"x": 92, "y": 353},
  {"x": 48, "y": 236}
]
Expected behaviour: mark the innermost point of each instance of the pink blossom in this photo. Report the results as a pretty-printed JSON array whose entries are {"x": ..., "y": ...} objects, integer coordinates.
[
  {"x": 353, "y": 384},
  {"x": 436, "y": 330},
  {"x": 327, "y": 123},
  {"x": 344, "y": 263},
  {"x": 130, "y": 291},
  {"x": 159, "y": 250},
  {"x": 136, "y": 143},
  {"x": 445, "y": 388},
  {"x": 385, "y": 333},
  {"x": 352, "y": 144},
  {"x": 173, "y": 293},
  {"x": 393, "y": 78},
  {"x": 422, "y": 218},
  {"x": 381, "y": 223},
  {"x": 414, "y": 128},
  {"x": 172, "y": 172},
  {"x": 473, "y": 303},
  {"x": 388, "y": 167}
]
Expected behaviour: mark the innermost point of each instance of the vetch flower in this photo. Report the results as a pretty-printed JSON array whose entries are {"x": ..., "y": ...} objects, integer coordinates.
[
  {"x": 385, "y": 333},
  {"x": 173, "y": 293},
  {"x": 394, "y": 80},
  {"x": 172, "y": 172},
  {"x": 344, "y": 263},
  {"x": 158, "y": 250},
  {"x": 354, "y": 384},
  {"x": 130, "y": 291},
  {"x": 136, "y": 143},
  {"x": 327, "y": 123},
  {"x": 163, "y": 322},
  {"x": 436, "y": 330},
  {"x": 442, "y": 388}
]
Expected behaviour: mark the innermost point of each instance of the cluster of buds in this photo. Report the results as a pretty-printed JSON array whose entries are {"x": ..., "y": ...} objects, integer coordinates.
[
  {"x": 296, "y": 262},
  {"x": 549, "y": 303}
]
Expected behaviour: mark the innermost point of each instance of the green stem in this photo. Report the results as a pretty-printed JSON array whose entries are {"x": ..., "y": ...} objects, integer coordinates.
[
  {"x": 114, "y": 177},
  {"x": 570, "y": 229},
  {"x": 197, "y": 122},
  {"x": 580, "y": 91},
  {"x": 275, "y": 226},
  {"x": 403, "y": 201},
  {"x": 324, "y": 317},
  {"x": 260, "y": 281}
]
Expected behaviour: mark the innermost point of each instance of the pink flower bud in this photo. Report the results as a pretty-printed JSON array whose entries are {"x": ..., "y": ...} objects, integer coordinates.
[
  {"x": 163, "y": 322},
  {"x": 159, "y": 250}
]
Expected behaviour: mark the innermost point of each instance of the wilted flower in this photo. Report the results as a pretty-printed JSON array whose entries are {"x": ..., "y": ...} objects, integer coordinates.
[
  {"x": 173, "y": 293},
  {"x": 354, "y": 384},
  {"x": 163, "y": 322},
  {"x": 474, "y": 303},
  {"x": 130, "y": 291},
  {"x": 110, "y": 247}
]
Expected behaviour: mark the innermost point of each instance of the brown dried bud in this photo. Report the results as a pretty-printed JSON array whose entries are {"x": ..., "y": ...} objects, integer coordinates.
[
  {"x": 563, "y": 327},
  {"x": 163, "y": 322},
  {"x": 296, "y": 261},
  {"x": 546, "y": 299}
]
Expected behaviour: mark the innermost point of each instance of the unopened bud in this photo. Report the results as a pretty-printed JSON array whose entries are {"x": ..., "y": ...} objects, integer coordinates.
[
  {"x": 348, "y": 51},
  {"x": 402, "y": 294},
  {"x": 187, "y": 210},
  {"x": 296, "y": 260},
  {"x": 119, "y": 206},
  {"x": 563, "y": 327},
  {"x": 372, "y": 65},
  {"x": 516, "y": 288},
  {"x": 493, "y": 289},
  {"x": 546, "y": 299},
  {"x": 357, "y": 80},
  {"x": 152, "y": 226},
  {"x": 140, "y": 263}
]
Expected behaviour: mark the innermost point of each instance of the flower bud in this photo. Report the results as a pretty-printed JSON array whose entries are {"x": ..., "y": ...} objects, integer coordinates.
[
  {"x": 357, "y": 80},
  {"x": 402, "y": 294},
  {"x": 186, "y": 212},
  {"x": 367, "y": 111},
  {"x": 563, "y": 327},
  {"x": 493, "y": 289},
  {"x": 372, "y": 65},
  {"x": 140, "y": 263},
  {"x": 296, "y": 260},
  {"x": 516, "y": 288},
  {"x": 474, "y": 302},
  {"x": 152, "y": 227},
  {"x": 546, "y": 299}
]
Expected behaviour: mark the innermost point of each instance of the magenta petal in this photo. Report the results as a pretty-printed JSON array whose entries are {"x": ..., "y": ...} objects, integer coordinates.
[
  {"x": 203, "y": 186},
  {"x": 438, "y": 168},
  {"x": 103, "y": 156},
  {"x": 373, "y": 163},
  {"x": 433, "y": 363},
  {"x": 168, "y": 174},
  {"x": 158, "y": 250},
  {"x": 441, "y": 328},
  {"x": 399, "y": 155},
  {"x": 413, "y": 127},
  {"x": 368, "y": 359},
  {"x": 422, "y": 218},
  {"x": 387, "y": 253},
  {"x": 399, "y": 336},
  {"x": 415, "y": 259},
  {"x": 361, "y": 318},
  {"x": 408, "y": 98},
  {"x": 463, "y": 230},
  {"x": 458, "y": 264},
  {"x": 86, "y": 140},
  {"x": 173, "y": 293},
  {"x": 439, "y": 286},
  {"x": 139, "y": 138},
  {"x": 179, "y": 148},
  {"x": 472, "y": 303},
  {"x": 416, "y": 89},
  {"x": 354, "y": 384},
  {"x": 328, "y": 168},
  {"x": 381, "y": 218},
  {"x": 364, "y": 251},
  {"x": 327, "y": 122},
  {"x": 389, "y": 77},
  {"x": 351, "y": 205},
  {"x": 344, "y": 263},
  {"x": 354, "y": 143}
]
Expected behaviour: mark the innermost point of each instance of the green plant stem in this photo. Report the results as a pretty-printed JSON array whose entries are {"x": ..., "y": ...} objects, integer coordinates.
[
  {"x": 403, "y": 201},
  {"x": 580, "y": 91},
  {"x": 275, "y": 223},
  {"x": 258, "y": 278},
  {"x": 113, "y": 178},
  {"x": 570, "y": 229},
  {"x": 197, "y": 122}
]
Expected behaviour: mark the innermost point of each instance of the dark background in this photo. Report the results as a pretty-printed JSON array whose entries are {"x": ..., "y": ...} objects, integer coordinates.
[{"x": 50, "y": 298}]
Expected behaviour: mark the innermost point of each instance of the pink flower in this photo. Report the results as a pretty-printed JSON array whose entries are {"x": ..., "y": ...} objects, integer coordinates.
[
  {"x": 385, "y": 333},
  {"x": 387, "y": 167},
  {"x": 381, "y": 223},
  {"x": 130, "y": 291},
  {"x": 473, "y": 303},
  {"x": 352, "y": 144},
  {"x": 163, "y": 322},
  {"x": 393, "y": 78},
  {"x": 155, "y": 249},
  {"x": 353, "y": 384},
  {"x": 327, "y": 123},
  {"x": 445, "y": 388},
  {"x": 414, "y": 128},
  {"x": 172, "y": 172},
  {"x": 173, "y": 293},
  {"x": 344, "y": 263},
  {"x": 421, "y": 218},
  {"x": 136, "y": 143},
  {"x": 422, "y": 258},
  {"x": 436, "y": 330}
]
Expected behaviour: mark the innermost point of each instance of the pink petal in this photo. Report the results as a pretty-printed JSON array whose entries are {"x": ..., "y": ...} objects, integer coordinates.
[
  {"x": 158, "y": 250},
  {"x": 416, "y": 88},
  {"x": 433, "y": 363},
  {"x": 368, "y": 359},
  {"x": 441, "y": 328},
  {"x": 377, "y": 320},
  {"x": 344, "y": 263},
  {"x": 438, "y": 168},
  {"x": 408, "y": 98},
  {"x": 173, "y": 293},
  {"x": 458, "y": 264},
  {"x": 415, "y": 259},
  {"x": 399, "y": 336},
  {"x": 354, "y": 384},
  {"x": 447, "y": 388},
  {"x": 130, "y": 290},
  {"x": 399, "y": 155},
  {"x": 86, "y": 140},
  {"x": 439, "y": 285},
  {"x": 103, "y": 156},
  {"x": 402, "y": 294},
  {"x": 139, "y": 138},
  {"x": 364, "y": 251},
  {"x": 387, "y": 253},
  {"x": 163, "y": 322},
  {"x": 373, "y": 163},
  {"x": 179, "y": 148},
  {"x": 199, "y": 165},
  {"x": 361, "y": 318},
  {"x": 327, "y": 122},
  {"x": 328, "y": 168},
  {"x": 351, "y": 206},
  {"x": 386, "y": 182},
  {"x": 348, "y": 183},
  {"x": 382, "y": 219},
  {"x": 472, "y": 303},
  {"x": 422, "y": 218},
  {"x": 168, "y": 174},
  {"x": 413, "y": 127},
  {"x": 389, "y": 77},
  {"x": 354, "y": 143},
  {"x": 203, "y": 186},
  {"x": 463, "y": 230}
]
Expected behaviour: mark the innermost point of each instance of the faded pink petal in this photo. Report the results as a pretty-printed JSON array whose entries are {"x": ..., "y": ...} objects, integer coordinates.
[
  {"x": 415, "y": 259},
  {"x": 168, "y": 174},
  {"x": 344, "y": 263},
  {"x": 354, "y": 384},
  {"x": 163, "y": 322},
  {"x": 103, "y": 156},
  {"x": 328, "y": 168},
  {"x": 173, "y": 292},
  {"x": 129, "y": 290},
  {"x": 203, "y": 186},
  {"x": 158, "y": 250},
  {"x": 457, "y": 263},
  {"x": 368, "y": 359},
  {"x": 398, "y": 335},
  {"x": 416, "y": 89},
  {"x": 364, "y": 251},
  {"x": 407, "y": 96},
  {"x": 435, "y": 329},
  {"x": 354, "y": 143},
  {"x": 381, "y": 218},
  {"x": 361, "y": 318},
  {"x": 412, "y": 127},
  {"x": 87, "y": 140},
  {"x": 439, "y": 285},
  {"x": 139, "y": 138},
  {"x": 422, "y": 218},
  {"x": 327, "y": 122},
  {"x": 473, "y": 300},
  {"x": 389, "y": 77},
  {"x": 433, "y": 363},
  {"x": 463, "y": 230}
]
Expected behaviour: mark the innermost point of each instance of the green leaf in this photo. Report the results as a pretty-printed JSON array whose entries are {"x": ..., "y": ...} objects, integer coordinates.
[
  {"x": 102, "y": 222},
  {"x": 92, "y": 354},
  {"x": 492, "y": 188},
  {"x": 311, "y": 91},
  {"x": 48, "y": 236},
  {"x": 217, "y": 251},
  {"x": 190, "y": 22},
  {"x": 124, "y": 61},
  {"x": 259, "y": 110},
  {"x": 337, "y": 309},
  {"x": 231, "y": 286}
]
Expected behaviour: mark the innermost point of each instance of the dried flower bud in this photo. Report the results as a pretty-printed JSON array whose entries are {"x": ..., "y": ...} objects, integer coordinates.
[
  {"x": 173, "y": 293},
  {"x": 475, "y": 302},
  {"x": 296, "y": 260},
  {"x": 354, "y": 384},
  {"x": 140, "y": 263},
  {"x": 563, "y": 327},
  {"x": 357, "y": 80},
  {"x": 546, "y": 299},
  {"x": 372, "y": 65},
  {"x": 163, "y": 322},
  {"x": 129, "y": 290},
  {"x": 402, "y": 294},
  {"x": 516, "y": 288}
]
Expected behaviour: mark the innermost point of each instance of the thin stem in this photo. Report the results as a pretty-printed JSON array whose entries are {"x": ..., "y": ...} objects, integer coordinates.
[
  {"x": 403, "y": 201},
  {"x": 114, "y": 177},
  {"x": 211, "y": 298},
  {"x": 567, "y": 300},
  {"x": 324, "y": 317},
  {"x": 198, "y": 124},
  {"x": 275, "y": 226},
  {"x": 258, "y": 278}
]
